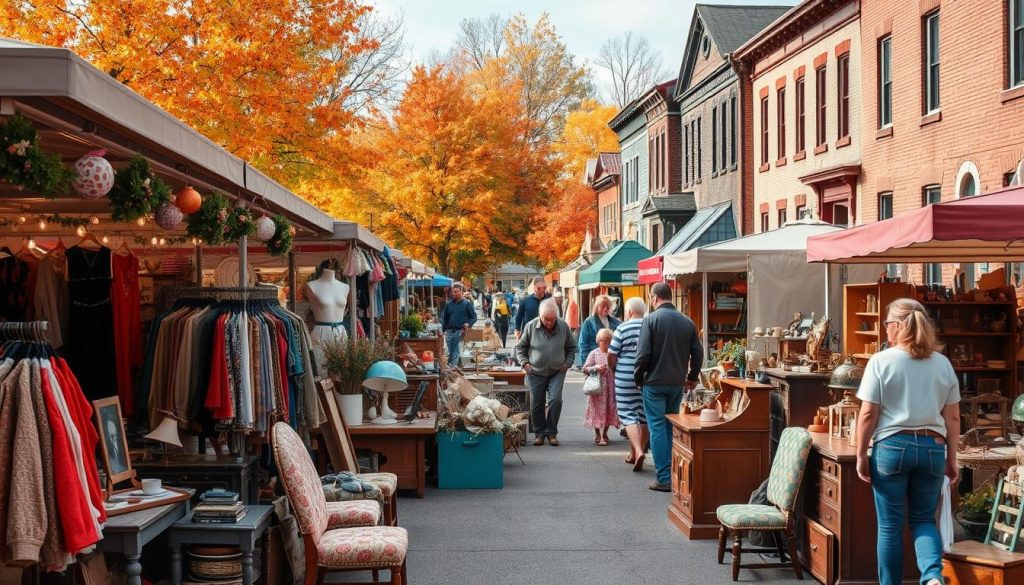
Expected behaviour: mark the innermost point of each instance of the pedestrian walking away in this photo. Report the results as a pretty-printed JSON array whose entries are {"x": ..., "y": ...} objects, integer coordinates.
[
  {"x": 600, "y": 318},
  {"x": 500, "y": 316},
  {"x": 910, "y": 414},
  {"x": 601, "y": 412},
  {"x": 457, "y": 316},
  {"x": 669, "y": 356},
  {"x": 545, "y": 351},
  {"x": 529, "y": 306},
  {"x": 629, "y": 401}
]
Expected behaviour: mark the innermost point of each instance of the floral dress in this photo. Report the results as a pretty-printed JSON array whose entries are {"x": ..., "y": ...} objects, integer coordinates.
[{"x": 601, "y": 410}]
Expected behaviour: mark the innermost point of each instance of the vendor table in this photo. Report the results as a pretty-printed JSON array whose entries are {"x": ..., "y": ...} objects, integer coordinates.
[
  {"x": 403, "y": 449},
  {"x": 978, "y": 458},
  {"x": 244, "y": 534},
  {"x": 128, "y": 533},
  {"x": 204, "y": 472},
  {"x": 517, "y": 378}
]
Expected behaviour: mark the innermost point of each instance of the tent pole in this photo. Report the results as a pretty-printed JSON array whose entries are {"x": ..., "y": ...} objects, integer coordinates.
[
  {"x": 828, "y": 289},
  {"x": 199, "y": 264},
  {"x": 292, "y": 281},
  {"x": 704, "y": 313},
  {"x": 353, "y": 328}
]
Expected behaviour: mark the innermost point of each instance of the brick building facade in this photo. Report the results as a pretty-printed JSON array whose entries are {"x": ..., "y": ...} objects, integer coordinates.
[{"x": 603, "y": 175}]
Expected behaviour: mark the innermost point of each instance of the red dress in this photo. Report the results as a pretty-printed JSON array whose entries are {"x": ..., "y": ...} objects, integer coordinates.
[
  {"x": 124, "y": 299},
  {"x": 601, "y": 411}
]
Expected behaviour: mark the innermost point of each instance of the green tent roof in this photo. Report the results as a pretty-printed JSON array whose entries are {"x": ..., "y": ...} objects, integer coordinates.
[{"x": 617, "y": 266}]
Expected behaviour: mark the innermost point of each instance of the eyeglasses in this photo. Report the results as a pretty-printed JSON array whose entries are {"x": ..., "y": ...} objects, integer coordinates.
[{"x": 887, "y": 322}]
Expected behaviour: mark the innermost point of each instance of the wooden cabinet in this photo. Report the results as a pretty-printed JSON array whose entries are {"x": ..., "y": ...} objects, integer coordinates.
[
  {"x": 795, "y": 400},
  {"x": 974, "y": 563},
  {"x": 837, "y": 511},
  {"x": 205, "y": 472},
  {"x": 863, "y": 312},
  {"x": 718, "y": 463}
]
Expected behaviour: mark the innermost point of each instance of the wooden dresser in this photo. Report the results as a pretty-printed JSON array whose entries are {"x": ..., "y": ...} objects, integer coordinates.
[
  {"x": 718, "y": 463},
  {"x": 837, "y": 530},
  {"x": 795, "y": 400}
]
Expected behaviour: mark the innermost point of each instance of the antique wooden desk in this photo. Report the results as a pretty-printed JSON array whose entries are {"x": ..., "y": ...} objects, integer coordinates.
[
  {"x": 128, "y": 533},
  {"x": 204, "y": 472},
  {"x": 795, "y": 400},
  {"x": 718, "y": 463},
  {"x": 517, "y": 378},
  {"x": 403, "y": 449},
  {"x": 401, "y": 400},
  {"x": 244, "y": 535},
  {"x": 837, "y": 529}
]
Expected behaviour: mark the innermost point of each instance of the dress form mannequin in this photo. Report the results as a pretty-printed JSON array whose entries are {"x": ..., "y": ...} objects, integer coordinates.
[{"x": 328, "y": 298}]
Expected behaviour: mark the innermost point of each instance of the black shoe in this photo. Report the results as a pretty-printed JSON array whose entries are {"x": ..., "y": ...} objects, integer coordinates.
[{"x": 659, "y": 487}]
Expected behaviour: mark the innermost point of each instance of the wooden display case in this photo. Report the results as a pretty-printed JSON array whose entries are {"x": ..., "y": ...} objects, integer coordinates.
[
  {"x": 863, "y": 331},
  {"x": 730, "y": 320},
  {"x": 718, "y": 463}
]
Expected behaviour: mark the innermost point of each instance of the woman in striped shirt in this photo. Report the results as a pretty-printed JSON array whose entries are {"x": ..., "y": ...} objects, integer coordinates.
[{"x": 628, "y": 398}]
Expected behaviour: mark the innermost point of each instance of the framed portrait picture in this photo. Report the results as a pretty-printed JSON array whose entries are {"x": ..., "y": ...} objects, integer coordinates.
[
  {"x": 113, "y": 444},
  {"x": 961, "y": 353},
  {"x": 711, "y": 378}
]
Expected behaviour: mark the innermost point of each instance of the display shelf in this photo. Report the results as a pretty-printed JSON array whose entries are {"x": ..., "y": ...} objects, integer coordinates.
[
  {"x": 724, "y": 310},
  {"x": 863, "y": 305},
  {"x": 728, "y": 333},
  {"x": 978, "y": 369},
  {"x": 872, "y": 333},
  {"x": 866, "y": 314},
  {"x": 965, "y": 303}
]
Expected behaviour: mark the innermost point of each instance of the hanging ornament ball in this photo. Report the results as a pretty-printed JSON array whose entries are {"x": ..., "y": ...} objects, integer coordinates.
[
  {"x": 168, "y": 216},
  {"x": 188, "y": 200},
  {"x": 93, "y": 175},
  {"x": 265, "y": 229}
]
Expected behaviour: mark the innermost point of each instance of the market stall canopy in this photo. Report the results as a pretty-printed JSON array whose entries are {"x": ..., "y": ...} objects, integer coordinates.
[
  {"x": 78, "y": 108},
  {"x": 616, "y": 268},
  {"x": 985, "y": 228},
  {"x": 708, "y": 226},
  {"x": 731, "y": 255},
  {"x": 568, "y": 275},
  {"x": 438, "y": 280}
]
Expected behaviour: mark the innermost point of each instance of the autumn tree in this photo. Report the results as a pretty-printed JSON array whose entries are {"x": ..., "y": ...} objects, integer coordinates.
[
  {"x": 586, "y": 133},
  {"x": 259, "y": 78},
  {"x": 451, "y": 183},
  {"x": 632, "y": 67}
]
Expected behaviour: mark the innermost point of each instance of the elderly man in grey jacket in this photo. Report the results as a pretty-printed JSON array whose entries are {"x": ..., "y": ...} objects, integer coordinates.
[{"x": 546, "y": 351}]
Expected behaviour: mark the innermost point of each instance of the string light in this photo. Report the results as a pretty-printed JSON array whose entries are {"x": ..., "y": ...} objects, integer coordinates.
[
  {"x": 22, "y": 219},
  {"x": 31, "y": 244},
  {"x": 106, "y": 240},
  {"x": 195, "y": 241},
  {"x": 94, "y": 220},
  {"x": 42, "y": 224},
  {"x": 153, "y": 240},
  {"x": 80, "y": 230},
  {"x": 162, "y": 241},
  {"x": 140, "y": 222}
]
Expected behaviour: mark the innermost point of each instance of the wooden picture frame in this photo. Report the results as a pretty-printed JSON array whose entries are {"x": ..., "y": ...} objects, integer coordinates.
[
  {"x": 117, "y": 463},
  {"x": 711, "y": 378},
  {"x": 961, "y": 353},
  {"x": 340, "y": 448}
]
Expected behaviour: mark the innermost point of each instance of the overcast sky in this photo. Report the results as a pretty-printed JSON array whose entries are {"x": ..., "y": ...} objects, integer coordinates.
[{"x": 583, "y": 24}]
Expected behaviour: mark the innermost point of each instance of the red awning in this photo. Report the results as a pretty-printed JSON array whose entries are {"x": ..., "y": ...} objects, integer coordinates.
[
  {"x": 650, "y": 270},
  {"x": 986, "y": 228}
]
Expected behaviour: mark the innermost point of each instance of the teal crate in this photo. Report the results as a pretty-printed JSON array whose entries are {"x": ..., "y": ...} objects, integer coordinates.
[{"x": 468, "y": 461}]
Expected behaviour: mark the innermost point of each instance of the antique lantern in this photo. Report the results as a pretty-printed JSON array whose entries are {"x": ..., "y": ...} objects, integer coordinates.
[{"x": 846, "y": 379}]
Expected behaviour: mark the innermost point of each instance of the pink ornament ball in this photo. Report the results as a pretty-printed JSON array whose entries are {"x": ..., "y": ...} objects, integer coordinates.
[
  {"x": 94, "y": 176},
  {"x": 265, "y": 229},
  {"x": 169, "y": 217}
]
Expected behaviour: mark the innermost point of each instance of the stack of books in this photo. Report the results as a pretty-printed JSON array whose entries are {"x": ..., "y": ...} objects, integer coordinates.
[{"x": 218, "y": 507}]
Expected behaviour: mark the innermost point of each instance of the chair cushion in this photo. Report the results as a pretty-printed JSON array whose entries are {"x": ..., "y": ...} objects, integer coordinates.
[
  {"x": 353, "y": 514},
  {"x": 300, "y": 479},
  {"x": 751, "y": 517},
  {"x": 369, "y": 547},
  {"x": 788, "y": 467},
  {"x": 387, "y": 483}
]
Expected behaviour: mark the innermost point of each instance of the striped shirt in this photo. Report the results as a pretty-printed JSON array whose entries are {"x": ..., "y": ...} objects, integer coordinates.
[{"x": 624, "y": 344}]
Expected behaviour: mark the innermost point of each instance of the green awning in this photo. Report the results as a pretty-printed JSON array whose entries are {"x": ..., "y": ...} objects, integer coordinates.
[{"x": 617, "y": 267}]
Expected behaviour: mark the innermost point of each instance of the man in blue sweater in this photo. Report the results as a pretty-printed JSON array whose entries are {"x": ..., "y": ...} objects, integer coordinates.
[
  {"x": 457, "y": 316},
  {"x": 529, "y": 308}
]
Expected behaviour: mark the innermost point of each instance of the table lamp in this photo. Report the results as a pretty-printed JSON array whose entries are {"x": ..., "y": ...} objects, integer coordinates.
[
  {"x": 166, "y": 432},
  {"x": 385, "y": 377}
]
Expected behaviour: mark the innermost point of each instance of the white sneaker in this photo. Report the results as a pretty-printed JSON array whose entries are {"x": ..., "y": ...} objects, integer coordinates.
[{"x": 937, "y": 582}]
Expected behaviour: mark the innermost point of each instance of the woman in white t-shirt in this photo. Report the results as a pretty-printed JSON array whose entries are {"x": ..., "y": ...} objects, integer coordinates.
[{"x": 911, "y": 411}]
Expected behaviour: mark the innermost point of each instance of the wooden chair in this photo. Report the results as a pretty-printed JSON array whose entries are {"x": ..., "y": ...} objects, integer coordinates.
[
  {"x": 783, "y": 487},
  {"x": 342, "y": 451},
  {"x": 368, "y": 548}
]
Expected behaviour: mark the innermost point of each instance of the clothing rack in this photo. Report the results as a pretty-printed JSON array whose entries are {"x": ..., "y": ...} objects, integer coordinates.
[
  {"x": 33, "y": 331},
  {"x": 226, "y": 293}
]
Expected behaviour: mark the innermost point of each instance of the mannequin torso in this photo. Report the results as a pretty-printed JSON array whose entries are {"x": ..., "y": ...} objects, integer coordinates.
[{"x": 328, "y": 298}]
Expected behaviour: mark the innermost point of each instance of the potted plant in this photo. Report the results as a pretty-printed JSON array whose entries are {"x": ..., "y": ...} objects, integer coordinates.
[
  {"x": 732, "y": 354},
  {"x": 412, "y": 323},
  {"x": 976, "y": 511},
  {"x": 347, "y": 362}
]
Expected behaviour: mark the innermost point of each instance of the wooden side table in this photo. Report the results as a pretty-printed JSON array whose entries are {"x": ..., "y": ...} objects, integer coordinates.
[
  {"x": 128, "y": 533},
  {"x": 973, "y": 563},
  {"x": 244, "y": 534},
  {"x": 403, "y": 447},
  {"x": 205, "y": 472}
]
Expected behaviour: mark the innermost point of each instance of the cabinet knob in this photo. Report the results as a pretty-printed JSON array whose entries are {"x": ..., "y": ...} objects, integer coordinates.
[{"x": 814, "y": 548}]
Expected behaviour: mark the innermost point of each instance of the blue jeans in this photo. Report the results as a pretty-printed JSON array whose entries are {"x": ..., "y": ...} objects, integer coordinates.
[
  {"x": 545, "y": 390},
  {"x": 906, "y": 476},
  {"x": 452, "y": 340},
  {"x": 659, "y": 401}
]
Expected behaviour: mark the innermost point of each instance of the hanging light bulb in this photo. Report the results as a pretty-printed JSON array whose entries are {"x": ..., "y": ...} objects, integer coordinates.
[
  {"x": 162, "y": 241},
  {"x": 80, "y": 230},
  {"x": 106, "y": 240},
  {"x": 22, "y": 219},
  {"x": 195, "y": 241},
  {"x": 140, "y": 222},
  {"x": 153, "y": 240},
  {"x": 94, "y": 220},
  {"x": 42, "y": 224},
  {"x": 31, "y": 244}
]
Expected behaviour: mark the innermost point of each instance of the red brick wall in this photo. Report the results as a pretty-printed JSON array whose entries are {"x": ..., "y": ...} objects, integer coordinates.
[
  {"x": 675, "y": 154},
  {"x": 609, "y": 196},
  {"x": 747, "y": 152}
]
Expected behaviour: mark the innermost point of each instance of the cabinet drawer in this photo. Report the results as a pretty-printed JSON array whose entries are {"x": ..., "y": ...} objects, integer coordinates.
[
  {"x": 682, "y": 437},
  {"x": 830, "y": 468},
  {"x": 828, "y": 516},
  {"x": 819, "y": 551},
  {"x": 828, "y": 490}
]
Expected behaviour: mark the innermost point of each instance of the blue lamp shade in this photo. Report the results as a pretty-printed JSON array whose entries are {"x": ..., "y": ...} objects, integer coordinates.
[{"x": 385, "y": 376}]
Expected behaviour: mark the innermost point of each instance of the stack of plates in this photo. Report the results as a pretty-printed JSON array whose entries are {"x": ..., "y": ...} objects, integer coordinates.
[{"x": 996, "y": 364}]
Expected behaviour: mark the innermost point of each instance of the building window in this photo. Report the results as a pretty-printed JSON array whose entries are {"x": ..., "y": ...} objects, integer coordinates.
[
  {"x": 931, "y": 63},
  {"x": 885, "y": 82},
  {"x": 1016, "y": 22},
  {"x": 932, "y": 271},
  {"x": 714, "y": 139},
  {"x": 841, "y": 214},
  {"x": 781, "y": 118},
  {"x": 686, "y": 153},
  {"x": 820, "y": 107},
  {"x": 732, "y": 131},
  {"x": 884, "y": 205},
  {"x": 843, "y": 66},
  {"x": 800, "y": 118},
  {"x": 700, "y": 149},
  {"x": 801, "y": 211},
  {"x": 782, "y": 217},
  {"x": 764, "y": 130},
  {"x": 764, "y": 222}
]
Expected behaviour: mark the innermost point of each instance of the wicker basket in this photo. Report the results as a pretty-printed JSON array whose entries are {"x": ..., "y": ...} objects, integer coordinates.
[{"x": 224, "y": 566}]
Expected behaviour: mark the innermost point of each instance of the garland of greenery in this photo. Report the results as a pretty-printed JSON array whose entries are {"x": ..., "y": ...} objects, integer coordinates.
[
  {"x": 24, "y": 164},
  {"x": 209, "y": 223},
  {"x": 239, "y": 223},
  {"x": 141, "y": 241},
  {"x": 281, "y": 243},
  {"x": 137, "y": 192},
  {"x": 56, "y": 219}
]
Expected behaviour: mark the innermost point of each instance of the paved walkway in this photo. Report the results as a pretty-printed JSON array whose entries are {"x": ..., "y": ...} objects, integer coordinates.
[{"x": 574, "y": 514}]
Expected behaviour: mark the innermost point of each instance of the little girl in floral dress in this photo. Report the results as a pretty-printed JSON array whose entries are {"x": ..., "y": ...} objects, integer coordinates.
[{"x": 601, "y": 412}]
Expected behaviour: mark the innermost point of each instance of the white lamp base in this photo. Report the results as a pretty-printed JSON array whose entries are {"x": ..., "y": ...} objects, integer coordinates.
[{"x": 387, "y": 416}]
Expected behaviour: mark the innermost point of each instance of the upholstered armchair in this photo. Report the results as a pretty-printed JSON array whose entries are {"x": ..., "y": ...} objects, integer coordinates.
[
  {"x": 328, "y": 549},
  {"x": 783, "y": 486}
]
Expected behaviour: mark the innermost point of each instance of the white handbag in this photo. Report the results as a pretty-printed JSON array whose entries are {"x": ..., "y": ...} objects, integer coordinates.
[{"x": 592, "y": 385}]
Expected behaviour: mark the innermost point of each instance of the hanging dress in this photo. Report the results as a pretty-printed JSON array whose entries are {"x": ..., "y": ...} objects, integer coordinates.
[
  {"x": 127, "y": 326},
  {"x": 90, "y": 343}
]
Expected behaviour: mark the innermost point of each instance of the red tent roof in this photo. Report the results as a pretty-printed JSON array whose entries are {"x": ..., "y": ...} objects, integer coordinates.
[{"x": 986, "y": 228}]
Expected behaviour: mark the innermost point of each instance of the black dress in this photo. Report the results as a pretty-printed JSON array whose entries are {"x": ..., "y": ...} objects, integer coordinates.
[{"x": 91, "y": 346}]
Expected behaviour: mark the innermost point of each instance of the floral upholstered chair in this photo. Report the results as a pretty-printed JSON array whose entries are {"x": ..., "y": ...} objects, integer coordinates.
[
  {"x": 783, "y": 485},
  {"x": 330, "y": 549}
]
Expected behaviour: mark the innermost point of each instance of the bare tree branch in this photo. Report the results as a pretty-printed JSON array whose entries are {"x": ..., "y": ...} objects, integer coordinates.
[{"x": 633, "y": 66}]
